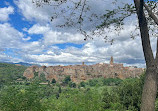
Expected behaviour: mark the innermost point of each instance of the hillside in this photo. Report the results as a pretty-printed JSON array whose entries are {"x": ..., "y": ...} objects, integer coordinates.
[{"x": 10, "y": 72}]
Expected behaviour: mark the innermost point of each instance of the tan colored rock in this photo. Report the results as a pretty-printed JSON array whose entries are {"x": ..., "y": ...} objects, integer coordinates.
[
  {"x": 85, "y": 72},
  {"x": 29, "y": 72}
]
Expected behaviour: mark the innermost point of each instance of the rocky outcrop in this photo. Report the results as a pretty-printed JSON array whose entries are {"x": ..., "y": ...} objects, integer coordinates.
[
  {"x": 29, "y": 72},
  {"x": 84, "y": 72}
]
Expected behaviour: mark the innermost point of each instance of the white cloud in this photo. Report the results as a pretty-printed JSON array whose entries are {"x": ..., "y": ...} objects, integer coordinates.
[
  {"x": 9, "y": 37},
  {"x": 54, "y": 37},
  {"x": 5, "y": 12},
  {"x": 38, "y": 29},
  {"x": 33, "y": 13},
  {"x": 45, "y": 51},
  {"x": 124, "y": 49},
  {"x": 26, "y": 39}
]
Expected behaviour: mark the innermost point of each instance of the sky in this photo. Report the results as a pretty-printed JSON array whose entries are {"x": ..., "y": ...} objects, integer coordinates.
[{"x": 27, "y": 34}]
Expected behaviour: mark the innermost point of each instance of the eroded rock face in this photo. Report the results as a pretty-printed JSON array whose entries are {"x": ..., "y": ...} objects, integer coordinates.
[
  {"x": 83, "y": 72},
  {"x": 29, "y": 72}
]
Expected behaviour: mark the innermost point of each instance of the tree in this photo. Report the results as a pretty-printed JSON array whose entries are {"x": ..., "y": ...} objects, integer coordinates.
[
  {"x": 82, "y": 84},
  {"x": 20, "y": 99},
  {"x": 53, "y": 81},
  {"x": 116, "y": 18},
  {"x": 66, "y": 80},
  {"x": 72, "y": 84},
  {"x": 93, "y": 82},
  {"x": 150, "y": 84}
]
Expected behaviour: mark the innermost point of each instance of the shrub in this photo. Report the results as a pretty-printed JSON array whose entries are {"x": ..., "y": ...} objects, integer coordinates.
[
  {"x": 130, "y": 93},
  {"x": 112, "y": 81},
  {"x": 72, "y": 84},
  {"x": 82, "y": 84},
  {"x": 42, "y": 77},
  {"x": 59, "y": 89},
  {"x": 109, "y": 98},
  {"x": 67, "y": 80},
  {"x": 93, "y": 82},
  {"x": 126, "y": 96},
  {"x": 53, "y": 81}
]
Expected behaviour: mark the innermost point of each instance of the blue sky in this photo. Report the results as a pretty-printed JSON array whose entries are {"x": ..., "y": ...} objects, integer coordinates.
[{"x": 28, "y": 35}]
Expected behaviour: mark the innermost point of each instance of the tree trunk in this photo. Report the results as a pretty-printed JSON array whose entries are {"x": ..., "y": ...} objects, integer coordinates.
[
  {"x": 150, "y": 84},
  {"x": 149, "y": 91}
]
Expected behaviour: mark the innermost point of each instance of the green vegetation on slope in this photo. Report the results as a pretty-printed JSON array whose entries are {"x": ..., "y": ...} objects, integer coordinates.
[
  {"x": 54, "y": 97},
  {"x": 10, "y": 73}
]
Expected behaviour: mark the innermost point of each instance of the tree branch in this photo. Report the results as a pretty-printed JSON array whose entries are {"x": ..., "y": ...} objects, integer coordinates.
[{"x": 151, "y": 14}]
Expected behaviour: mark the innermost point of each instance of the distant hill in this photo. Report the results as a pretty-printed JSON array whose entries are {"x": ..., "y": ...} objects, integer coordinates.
[
  {"x": 22, "y": 63},
  {"x": 26, "y": 64}
]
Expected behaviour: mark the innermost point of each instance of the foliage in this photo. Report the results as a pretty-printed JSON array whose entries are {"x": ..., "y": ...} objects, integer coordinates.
[
  {"x": 13, "y": 98},
  {"x": 93, "y": 82},
  {"x": 59, "y": 89},
  {"x": 66, "y": 80},
  {"x": 42, "y": 77},
  {"x": 130, "y": 93},
  {"x": 126, "y": 96},
  {"x": 82, "y": 84},
  {"x": 75, "y": 100},
  {"x": 72, "y": 84},
  {"x": 112, "y": 81},
  {"x": 102, "y": 82},
  {"x": 10, "y": 73},
  {"x": 95, "y": 95},
  {"x": 53, "y": 81},
  {"x": 35, "y": 74}
]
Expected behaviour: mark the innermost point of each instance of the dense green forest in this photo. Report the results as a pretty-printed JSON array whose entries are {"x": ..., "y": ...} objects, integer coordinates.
[{"x": 111, "y": 94}]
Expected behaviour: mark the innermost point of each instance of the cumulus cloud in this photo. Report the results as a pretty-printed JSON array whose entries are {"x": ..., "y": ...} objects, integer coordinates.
[
  {"x": 46, "y": 51},
  {"x": 33, "y": 13},
  {"x": 10, "y": 37},
  {"x": 38, "y": 29},
  {"x": 5, "y": 12},
  {"x": 127, "y": 51},
  {"x": 54, "y": 37}
]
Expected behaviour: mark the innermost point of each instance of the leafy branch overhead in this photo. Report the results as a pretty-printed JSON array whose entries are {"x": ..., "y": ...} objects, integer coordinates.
[{"x": 77, "y": 13}]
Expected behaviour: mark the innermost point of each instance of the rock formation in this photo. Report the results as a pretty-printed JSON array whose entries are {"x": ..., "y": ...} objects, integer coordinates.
[{"x": 84, "y": 72}]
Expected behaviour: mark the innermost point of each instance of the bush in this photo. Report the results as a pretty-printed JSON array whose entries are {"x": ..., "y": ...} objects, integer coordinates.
[
  {"x": 126, "y": 96},
  {"x": 75, "y": 100},
  {"x": 72, "y": 84},
  {"x": 130, "y": 92},
  {"x": 112, "y": 81},
  {"x": 42, "y": 77},
  {"x": 82, "y": 84},
  {"x": 53, "y": 81},
  {"x": 93, "y": 82},
  {"x": 35, "y": 74},
  {"x": 66, "y": 80},
  {"x": 109, "y": 98}
]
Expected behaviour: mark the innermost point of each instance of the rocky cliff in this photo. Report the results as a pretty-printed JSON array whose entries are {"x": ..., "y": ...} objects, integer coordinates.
[{"x": 83, "y": 72}]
